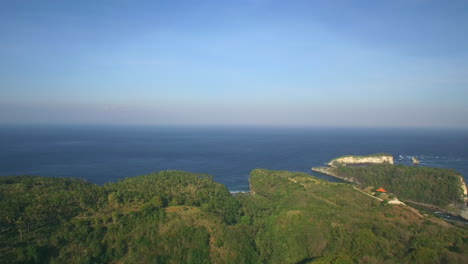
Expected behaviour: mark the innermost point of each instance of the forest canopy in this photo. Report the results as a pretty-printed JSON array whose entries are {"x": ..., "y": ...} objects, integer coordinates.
[{"x": 182, "y": 217}]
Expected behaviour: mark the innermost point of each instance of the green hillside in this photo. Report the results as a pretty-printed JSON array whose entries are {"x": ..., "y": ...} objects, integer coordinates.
[
  {"x": 311, "y": 219},
  {"x": 440, "y": 187},
  {"x": 181, "y": 217}
]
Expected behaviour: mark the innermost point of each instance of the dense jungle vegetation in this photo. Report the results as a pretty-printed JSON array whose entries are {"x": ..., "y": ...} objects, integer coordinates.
[
  {"x": 435, "y": 186},
  {"x": 181, "y": 217}
]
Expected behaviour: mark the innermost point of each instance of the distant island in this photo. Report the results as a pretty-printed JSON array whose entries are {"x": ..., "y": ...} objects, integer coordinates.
[
  {"x": 437, "y": 188},
  {"x": 183, "y": 217}
]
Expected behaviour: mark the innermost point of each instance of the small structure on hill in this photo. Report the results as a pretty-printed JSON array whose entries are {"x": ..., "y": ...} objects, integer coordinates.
[{"x": 382, "y": 190}]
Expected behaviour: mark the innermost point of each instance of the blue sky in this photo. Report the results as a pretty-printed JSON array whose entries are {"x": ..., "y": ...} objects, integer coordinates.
[{"x": 253, "y": 62}]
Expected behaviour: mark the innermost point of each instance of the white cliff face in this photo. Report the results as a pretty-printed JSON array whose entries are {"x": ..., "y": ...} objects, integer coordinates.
[
  {"x": 463, "y": 186},
  {"x": 362, "y": 160}
]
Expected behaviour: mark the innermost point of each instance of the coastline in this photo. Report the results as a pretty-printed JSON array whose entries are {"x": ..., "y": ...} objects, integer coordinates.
[
  {"x": 461, "y": 215},
  {"x": 329, "y": 171}
]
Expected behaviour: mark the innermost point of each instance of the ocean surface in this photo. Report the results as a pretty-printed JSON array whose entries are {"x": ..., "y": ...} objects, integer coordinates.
[{"x": 103, "y": 154}]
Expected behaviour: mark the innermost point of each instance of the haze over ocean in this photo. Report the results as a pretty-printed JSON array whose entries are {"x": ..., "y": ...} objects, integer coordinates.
[
  {"x": 102, "y": 154},
  {"x": 400, "y": 63}
]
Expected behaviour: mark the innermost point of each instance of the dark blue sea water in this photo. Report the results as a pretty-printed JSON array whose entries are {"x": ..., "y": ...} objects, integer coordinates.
[{"x": 103, "y": 154}]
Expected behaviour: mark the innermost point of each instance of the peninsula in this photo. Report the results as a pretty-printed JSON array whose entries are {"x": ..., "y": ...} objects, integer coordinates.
[
  {"x": 381, "y": 158},
  {"x": 440, "y": 188}
]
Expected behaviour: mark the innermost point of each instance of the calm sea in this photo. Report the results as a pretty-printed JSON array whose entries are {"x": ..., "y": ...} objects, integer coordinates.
[{"x": 103, "y": 154}]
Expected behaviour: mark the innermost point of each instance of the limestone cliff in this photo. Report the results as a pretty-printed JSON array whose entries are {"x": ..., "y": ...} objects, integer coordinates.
[
  {"x": 465, "y": 190},
  {"x": 356, "y": 160}
]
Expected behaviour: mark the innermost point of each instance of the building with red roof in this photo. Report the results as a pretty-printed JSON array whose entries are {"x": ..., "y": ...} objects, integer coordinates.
[{"x": 382, "y": 190}]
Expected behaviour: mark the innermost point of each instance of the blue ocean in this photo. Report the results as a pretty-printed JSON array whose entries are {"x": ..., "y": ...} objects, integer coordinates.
[{"x": 103, "y": 154}]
